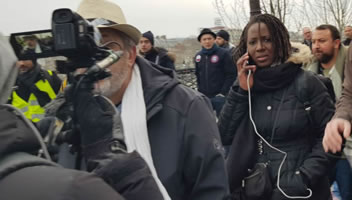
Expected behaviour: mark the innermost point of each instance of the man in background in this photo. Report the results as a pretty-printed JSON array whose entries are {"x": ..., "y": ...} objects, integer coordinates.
[
  {"x": 35, "y": 87},
  {"x": 330, "y": 57},
  {"x": 157, "y": 55},
  {"x": 223, "y": 40},
  {"x": 307, "y": 35},
  {"x": 348, "y": 35},
  {"x": 215, "y": 70}
]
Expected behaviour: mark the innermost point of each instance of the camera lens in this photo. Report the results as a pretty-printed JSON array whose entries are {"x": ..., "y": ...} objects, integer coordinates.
[{"x": 62, "y": 16}]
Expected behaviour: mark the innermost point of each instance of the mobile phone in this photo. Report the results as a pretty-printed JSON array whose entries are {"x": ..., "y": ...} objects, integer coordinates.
[{"x": 250, "y": 61}]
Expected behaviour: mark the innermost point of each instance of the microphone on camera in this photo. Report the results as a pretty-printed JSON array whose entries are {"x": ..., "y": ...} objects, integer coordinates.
[{"x": 105, "y": 63}]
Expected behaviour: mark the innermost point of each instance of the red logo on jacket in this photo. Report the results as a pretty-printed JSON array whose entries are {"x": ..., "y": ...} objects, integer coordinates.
[
  {"x": 198, "y": 58},
  {"x": 214, "y": 59}
]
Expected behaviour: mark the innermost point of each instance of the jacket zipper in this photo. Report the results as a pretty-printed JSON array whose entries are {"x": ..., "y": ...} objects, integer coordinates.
[{"x": 206, "y": 74}]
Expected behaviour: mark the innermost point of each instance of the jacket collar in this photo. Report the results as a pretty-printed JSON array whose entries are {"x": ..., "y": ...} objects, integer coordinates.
[{"x": 157, "y": 82}]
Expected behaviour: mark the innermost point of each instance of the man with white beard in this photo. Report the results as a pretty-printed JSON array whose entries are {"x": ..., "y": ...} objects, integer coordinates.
[{"x": 170, "y": 125}]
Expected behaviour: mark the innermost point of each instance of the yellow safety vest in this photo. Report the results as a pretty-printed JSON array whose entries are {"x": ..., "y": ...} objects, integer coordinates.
[{"x": 31, "y": 108}]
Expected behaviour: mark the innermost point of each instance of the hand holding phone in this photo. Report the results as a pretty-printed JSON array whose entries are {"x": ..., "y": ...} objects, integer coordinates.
[{"x": 244, "y": 65}]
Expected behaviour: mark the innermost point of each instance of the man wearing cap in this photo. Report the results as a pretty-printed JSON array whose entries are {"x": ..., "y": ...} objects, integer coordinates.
[
  {"x": 157, "y": 55},
  {"x": 32, "y": 45},
  {"x": 215, "y": 70},
  {"x": 171, "y": 126},
  {"x": 222, "y": 40}
]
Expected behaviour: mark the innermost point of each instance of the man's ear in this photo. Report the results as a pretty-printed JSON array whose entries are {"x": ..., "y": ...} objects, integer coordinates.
[
  {"x": 132, "y": 55},
  {"x": 337, "y": 43}
]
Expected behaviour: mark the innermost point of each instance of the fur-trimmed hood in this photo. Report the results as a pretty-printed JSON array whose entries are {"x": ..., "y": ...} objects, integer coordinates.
[{"x": 301, "y": 54}]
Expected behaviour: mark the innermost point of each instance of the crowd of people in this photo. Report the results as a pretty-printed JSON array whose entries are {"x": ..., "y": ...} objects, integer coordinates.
[{"x": 141, "y": 134}]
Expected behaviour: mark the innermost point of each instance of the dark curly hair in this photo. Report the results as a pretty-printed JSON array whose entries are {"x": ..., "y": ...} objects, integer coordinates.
[{"x": 279, "y": 35}]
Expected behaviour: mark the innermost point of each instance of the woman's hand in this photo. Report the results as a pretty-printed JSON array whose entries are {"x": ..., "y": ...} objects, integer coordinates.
[{"x": 242, "y": 72}]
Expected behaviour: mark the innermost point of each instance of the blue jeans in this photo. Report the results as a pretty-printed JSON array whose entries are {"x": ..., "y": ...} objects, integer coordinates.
[
  {"x": 343, "y": 177},
  {"x": 217, "y": 103}
]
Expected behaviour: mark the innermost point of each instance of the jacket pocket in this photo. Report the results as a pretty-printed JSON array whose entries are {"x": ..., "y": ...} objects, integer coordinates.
[{"x": 292, "y": 184}]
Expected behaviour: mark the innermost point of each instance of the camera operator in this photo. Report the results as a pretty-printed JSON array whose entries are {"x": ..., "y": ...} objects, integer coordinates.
[
  {"x": 171, "y": 126},
  {"x": 24, "y": 176}
]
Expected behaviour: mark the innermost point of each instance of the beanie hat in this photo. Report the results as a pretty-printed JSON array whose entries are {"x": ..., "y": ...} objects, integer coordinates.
[
  {"x": 149, "y": 35},
  {"x": 224, "y": 34},
  {"x": 206, "y": 31}
]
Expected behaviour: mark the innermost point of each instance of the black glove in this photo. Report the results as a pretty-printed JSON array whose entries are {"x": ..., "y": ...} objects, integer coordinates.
[{"x": 98, "y": 119}]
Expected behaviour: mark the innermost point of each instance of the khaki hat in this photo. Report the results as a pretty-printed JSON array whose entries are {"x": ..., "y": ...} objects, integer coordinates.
[{"x": 95, "y": 9}]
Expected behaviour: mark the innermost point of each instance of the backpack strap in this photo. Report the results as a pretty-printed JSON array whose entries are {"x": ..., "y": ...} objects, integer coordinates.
[
  {"x": 47, "y": 75},
  {"x": 301, "y": 85},
  {"x": 302, "y": 93},
  {"x": 17, "y": 161}
]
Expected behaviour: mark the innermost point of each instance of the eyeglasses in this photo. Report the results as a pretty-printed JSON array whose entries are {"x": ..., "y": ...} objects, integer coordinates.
[{"x": 112, "y": 45}]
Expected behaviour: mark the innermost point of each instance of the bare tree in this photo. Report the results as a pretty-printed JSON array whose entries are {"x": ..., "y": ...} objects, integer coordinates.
[
  {"x": 335, "y": 12},
  {"x": 233, "y": 13}
]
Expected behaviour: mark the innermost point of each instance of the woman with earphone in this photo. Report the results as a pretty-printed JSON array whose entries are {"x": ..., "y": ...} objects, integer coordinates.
[{"x": 274, "y": 118}]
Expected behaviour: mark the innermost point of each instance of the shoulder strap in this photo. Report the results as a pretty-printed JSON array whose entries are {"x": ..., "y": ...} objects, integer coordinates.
[
  {"x": 20, "y": 160},
  {"x": 302, "y": 93},
  {"x": 48, "y": 76}
]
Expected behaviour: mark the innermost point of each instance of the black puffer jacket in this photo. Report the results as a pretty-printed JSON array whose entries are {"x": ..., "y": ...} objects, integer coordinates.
[{"x": 306, "y": 163}]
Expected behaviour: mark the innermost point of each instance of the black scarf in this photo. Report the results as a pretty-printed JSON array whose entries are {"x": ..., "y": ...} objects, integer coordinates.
[
  {"x": 26, "y": 85},
  {"x": 268, "y": 79}
]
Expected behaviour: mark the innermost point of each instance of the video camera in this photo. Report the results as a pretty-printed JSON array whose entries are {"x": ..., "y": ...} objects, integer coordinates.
[
  {"x": 78, "y": 40},
  {"x": 71, "y": 36}
]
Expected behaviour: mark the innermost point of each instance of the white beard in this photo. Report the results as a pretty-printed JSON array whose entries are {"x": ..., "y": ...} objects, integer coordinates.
[{"x": 113, "y": 84}]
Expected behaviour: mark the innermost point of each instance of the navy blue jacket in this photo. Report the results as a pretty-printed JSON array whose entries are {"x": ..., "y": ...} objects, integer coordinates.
[{"x": 215, "y": 72}]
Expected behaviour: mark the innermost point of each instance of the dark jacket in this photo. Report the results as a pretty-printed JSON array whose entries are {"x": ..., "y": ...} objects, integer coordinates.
[
  {"x": 347, "y": 42},
  {"x": 306, "y": 165},
  {"x": 215, "y": 72},
  {"x": 161, "y": 56},
  {"x": 184, "y": 138},
  {"x": 23, "y": 176}
]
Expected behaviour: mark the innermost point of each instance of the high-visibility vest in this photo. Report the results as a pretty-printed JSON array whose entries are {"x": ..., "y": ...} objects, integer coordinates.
[{"x": 31, "y": 108}]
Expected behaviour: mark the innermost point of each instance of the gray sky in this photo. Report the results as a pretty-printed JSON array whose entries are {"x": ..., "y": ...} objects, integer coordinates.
[{"x": 174, "y": 18}]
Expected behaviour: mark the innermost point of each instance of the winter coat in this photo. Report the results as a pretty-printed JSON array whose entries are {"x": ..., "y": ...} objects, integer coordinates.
[
  {"x": 183, "y": 135},
  {"x": 344, "y": 106},
  {"x": 306, "y": 165},
  {"x": 215, "y": 73},
  {"x": 161, "y": 56}
]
